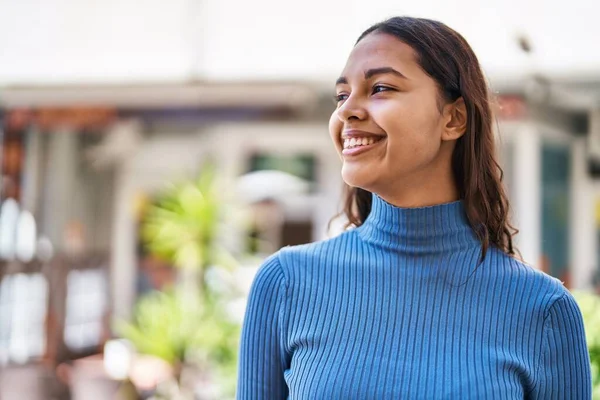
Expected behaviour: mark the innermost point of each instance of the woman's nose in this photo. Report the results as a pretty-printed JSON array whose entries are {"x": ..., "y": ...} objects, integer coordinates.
[{"x": 351, "y": 109}]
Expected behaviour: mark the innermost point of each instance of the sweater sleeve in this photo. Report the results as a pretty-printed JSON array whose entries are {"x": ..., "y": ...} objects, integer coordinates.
[
  {"x": 263, "y": 358},
  {"x": 564, "y": 370}
]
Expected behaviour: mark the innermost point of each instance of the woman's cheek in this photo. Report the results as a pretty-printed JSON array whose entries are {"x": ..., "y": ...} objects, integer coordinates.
[
  {"x": 335, "y": 129},
  {"x": 389, "y": 116}
]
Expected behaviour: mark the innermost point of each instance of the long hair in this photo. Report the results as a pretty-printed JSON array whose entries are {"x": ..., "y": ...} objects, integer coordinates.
[{"x": 447, "y": 58}]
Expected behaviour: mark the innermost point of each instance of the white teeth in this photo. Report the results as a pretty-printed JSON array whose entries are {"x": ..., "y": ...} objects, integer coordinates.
[{"x": 354, "y": 142}]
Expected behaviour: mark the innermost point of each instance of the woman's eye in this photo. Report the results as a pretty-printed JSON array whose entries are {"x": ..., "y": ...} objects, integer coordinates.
[
  {"x": 340, "y": 97},
  {"x": 380, "y": 88},
  {"x": 376, "y": 89}
]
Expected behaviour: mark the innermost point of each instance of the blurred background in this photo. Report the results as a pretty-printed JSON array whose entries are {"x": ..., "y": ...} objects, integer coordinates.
[{"x": 154, "y": 153}]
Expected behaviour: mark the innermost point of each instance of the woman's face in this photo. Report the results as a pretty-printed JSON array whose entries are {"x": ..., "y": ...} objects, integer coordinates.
[{"x": 387, "y": 126}]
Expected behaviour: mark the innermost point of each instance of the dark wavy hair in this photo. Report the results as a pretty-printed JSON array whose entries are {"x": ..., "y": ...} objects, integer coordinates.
[{"x": 447, "y": 58}]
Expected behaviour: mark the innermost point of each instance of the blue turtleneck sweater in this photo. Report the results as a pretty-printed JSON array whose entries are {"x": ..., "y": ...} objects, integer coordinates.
[{"x": 399, "y": 308}]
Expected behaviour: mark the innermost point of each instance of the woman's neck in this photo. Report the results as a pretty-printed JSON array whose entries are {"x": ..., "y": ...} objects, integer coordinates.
[{"x": 419, "y": 192}]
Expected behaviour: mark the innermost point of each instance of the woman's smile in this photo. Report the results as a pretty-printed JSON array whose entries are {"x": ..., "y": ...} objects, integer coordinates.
[{"x": 355, "y": 146}]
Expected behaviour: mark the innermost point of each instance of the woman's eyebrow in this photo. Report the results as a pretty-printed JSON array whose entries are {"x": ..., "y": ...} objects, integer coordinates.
[
  {"x": 342, "y": 80},
  {"x": 383, "y": 70}
]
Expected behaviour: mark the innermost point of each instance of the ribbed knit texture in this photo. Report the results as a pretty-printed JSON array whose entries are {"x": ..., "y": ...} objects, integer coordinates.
[{"x": 399, "y": 308}]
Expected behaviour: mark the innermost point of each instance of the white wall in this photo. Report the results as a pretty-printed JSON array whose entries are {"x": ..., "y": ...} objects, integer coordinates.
[
  {"x": 583, "y": 244},
  {"x": 527, "y": 191}
]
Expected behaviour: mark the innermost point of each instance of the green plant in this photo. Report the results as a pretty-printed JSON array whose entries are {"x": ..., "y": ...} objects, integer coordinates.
[
  {"x": 188, "y": 324},
  {"x": 589, "y": 304},
  {"x": 183, "y": 225},
  {"x": 166, "y": 325}
]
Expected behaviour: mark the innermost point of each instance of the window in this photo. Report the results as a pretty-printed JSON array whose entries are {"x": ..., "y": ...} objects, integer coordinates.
[
  {"x": 23, "y": 306},
  {"x": 85, "y": 307}
]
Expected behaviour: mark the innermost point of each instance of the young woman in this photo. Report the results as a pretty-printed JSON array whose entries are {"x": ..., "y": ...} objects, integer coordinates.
[{"x": 424, "y": 298}]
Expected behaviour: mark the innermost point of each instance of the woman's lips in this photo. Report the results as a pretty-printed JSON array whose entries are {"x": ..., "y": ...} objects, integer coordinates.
[{"x": 361, "y": 149}]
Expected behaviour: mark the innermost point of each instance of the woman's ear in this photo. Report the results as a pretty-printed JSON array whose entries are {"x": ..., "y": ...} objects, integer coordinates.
[{"x": 456, "y": 120}]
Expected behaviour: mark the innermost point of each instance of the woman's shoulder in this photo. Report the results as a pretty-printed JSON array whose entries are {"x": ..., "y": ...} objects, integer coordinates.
[
  {"x": 525, "y": 277},
  {"x": 321, "y": 249},
  {"x": 293, "y": 258}
]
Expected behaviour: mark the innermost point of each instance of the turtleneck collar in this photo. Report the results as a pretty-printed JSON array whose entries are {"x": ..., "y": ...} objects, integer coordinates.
[{"x": 422, "y": 230}]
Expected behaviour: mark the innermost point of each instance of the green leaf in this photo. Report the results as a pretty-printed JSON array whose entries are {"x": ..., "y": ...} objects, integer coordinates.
[{"x": 589, "y": 304}]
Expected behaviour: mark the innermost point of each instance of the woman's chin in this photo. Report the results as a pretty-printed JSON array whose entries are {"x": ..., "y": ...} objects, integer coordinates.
[{"x": 357, "y": 178}]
